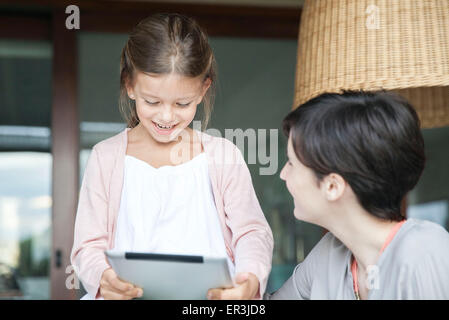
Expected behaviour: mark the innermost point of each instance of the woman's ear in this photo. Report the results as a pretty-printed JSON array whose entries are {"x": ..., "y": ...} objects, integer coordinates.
[{"x": 333, "y": 186}]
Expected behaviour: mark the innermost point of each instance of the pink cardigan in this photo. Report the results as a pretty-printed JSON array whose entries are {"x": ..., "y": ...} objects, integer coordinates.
[{"x": 247, "y": 235}]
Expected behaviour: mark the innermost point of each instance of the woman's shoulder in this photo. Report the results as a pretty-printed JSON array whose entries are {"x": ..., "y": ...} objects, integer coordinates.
[
  {"x": 329, "y": 249},
  {"x": 419, "y": 234},
  {"x": 420, "y": 261},
  {"x": 419, "y": 239}
]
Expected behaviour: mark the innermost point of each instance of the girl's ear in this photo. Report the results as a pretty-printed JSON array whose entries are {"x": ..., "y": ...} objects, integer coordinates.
[
  {"x": 130, "y": 90},
  {"x": 206, "y": 85},
  {"x": 130, "y": 93},
  {"x": 333, "y": 186}
]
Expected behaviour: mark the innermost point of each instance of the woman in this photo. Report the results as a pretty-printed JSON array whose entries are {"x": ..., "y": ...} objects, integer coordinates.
[{"x": 352, "y": 159}]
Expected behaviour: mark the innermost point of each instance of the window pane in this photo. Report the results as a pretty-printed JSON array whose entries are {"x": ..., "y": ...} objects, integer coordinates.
[
  {"x": 429, "y": 199},
  {"x": 25, "y": 169},
  {"x": 25, "y": 223}
]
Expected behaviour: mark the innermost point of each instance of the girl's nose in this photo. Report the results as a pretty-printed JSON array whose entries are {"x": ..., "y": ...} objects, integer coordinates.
[{"x": 167, "y": 114}]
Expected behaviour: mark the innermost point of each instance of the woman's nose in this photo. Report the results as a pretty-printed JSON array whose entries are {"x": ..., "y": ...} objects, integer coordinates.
[{"x": 283, "y": 172}]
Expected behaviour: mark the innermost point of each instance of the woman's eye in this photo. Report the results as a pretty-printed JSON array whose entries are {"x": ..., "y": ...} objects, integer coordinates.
[
  {"x": 289, "y": 163},
  {"x": 184, "y": 104},
  {"x": 151, "y": 103}
]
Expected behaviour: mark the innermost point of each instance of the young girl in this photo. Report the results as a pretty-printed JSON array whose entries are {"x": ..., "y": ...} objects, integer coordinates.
[{"x": 160, "y": 186}]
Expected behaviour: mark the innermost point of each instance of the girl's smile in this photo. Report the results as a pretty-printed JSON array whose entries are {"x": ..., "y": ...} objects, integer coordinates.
[
  {"x": 166, "y": 104},
  {"x": 164, "y": 129}
]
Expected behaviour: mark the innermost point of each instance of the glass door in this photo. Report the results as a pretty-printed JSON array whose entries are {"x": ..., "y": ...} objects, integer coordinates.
[{"x": 25, "y": 169}]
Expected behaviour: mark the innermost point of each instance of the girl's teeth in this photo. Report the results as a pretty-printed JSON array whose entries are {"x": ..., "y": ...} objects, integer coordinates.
[{"x": 162, "y": 127}]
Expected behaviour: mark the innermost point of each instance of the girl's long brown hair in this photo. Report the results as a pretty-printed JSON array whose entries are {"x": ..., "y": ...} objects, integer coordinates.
[{"x": 163, "y": 44}]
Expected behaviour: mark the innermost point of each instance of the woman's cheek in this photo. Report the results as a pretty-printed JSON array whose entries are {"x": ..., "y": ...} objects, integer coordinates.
[{"x": 290, "y": 187}]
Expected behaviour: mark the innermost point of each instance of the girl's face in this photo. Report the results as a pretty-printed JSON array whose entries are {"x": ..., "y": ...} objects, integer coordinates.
[
  {"x": 166, "y": 104},
  {"x": 302, "y": 185}
]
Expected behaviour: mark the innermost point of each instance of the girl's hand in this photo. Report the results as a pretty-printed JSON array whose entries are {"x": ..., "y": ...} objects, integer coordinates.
[
  {"x": 113, "y": 288},
  {"x": 248, "y": 286}
]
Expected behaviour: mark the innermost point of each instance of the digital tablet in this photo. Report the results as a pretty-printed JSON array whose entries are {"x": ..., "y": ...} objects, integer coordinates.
[{"x": 171, "y": 277}]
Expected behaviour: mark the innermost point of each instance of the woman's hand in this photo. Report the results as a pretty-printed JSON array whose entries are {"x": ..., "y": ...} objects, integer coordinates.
[
  {"x": 112, "y": 288},
  {"x": 248, "y": 286}
]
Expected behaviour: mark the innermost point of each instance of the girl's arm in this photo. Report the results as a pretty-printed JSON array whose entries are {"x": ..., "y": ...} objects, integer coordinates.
[
  {"x": 91, "y": 235},
  {"x": 252, "y": 238}
]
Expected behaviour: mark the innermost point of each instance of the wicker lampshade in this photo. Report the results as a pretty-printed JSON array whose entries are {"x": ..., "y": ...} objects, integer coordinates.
[{"x": 399, "y": 45}]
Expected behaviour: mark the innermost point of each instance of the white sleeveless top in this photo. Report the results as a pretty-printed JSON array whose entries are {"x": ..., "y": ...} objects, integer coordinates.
[{"x": 169, "y": 210}]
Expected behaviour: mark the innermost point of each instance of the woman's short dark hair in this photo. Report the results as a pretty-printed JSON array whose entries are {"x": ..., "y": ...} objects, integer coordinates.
[{"x": 372, "y": 139}]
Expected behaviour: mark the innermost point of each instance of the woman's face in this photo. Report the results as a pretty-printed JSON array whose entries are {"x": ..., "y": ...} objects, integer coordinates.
[
  {"x": 166, "y": 104},
  {"x": 303, "y": 186}
]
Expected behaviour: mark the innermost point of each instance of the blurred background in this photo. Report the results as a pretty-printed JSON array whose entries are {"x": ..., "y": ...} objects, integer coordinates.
[{"x": 58, "y": 97}]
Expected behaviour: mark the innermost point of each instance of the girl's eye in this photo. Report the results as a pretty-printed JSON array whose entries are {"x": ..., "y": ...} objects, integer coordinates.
[
  {"x": 289, "y": 163},
  {"x": 184, "y": 104},
  {"x": 151, "y": 103}
]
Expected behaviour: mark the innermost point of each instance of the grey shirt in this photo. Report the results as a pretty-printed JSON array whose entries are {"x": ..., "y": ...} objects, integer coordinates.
[{"x": 415, "y": 265}]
